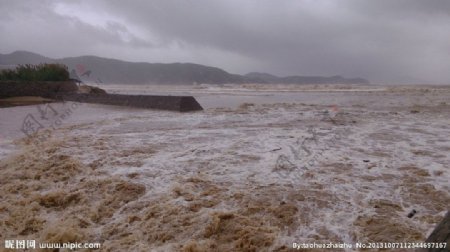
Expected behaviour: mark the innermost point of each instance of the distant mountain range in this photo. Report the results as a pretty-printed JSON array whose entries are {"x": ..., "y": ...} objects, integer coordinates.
[
  {"x": 104, "y": 70},
  {"x": 269, "y": 78}
]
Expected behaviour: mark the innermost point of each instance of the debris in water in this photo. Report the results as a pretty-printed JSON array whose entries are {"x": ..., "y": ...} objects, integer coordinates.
[{"x": 412, "y": 213}]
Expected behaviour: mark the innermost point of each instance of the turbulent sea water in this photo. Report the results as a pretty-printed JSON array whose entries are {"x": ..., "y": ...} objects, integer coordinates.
[{"x": 260, "y": 168}]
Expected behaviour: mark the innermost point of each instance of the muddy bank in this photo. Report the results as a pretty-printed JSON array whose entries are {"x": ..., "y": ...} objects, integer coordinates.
[
  {"x": 23, "y": 101},
  {"x": 46, "y": 89}
]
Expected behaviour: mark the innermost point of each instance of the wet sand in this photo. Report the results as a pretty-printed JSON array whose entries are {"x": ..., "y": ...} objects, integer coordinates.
[
  {"x": 288, "y": 165},
  {"x": 23, "y": 101}
]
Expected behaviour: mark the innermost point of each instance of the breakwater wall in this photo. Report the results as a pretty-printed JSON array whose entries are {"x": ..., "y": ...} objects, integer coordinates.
[{"x": 174, "y": 103}]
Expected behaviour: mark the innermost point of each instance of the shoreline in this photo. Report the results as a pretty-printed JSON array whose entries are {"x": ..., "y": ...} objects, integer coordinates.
[{"x": 23, "y": 101}]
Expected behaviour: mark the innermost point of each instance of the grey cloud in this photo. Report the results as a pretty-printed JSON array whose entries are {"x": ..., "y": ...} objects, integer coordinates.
[
  {"x": 383, "y": 40},
  {"x": 34, "y": 25}
]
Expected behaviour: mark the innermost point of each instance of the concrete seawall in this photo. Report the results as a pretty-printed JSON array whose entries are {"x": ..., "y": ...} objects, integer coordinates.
[{"x": 174, "y": 103}]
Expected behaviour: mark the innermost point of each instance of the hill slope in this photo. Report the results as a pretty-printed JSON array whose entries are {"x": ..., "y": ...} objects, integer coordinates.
[
  {"x": 269, "y": 78},
  {"x": 104, "y": 70}
]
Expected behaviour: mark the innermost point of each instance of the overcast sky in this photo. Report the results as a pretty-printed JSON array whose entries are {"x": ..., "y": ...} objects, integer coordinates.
[{"x": 387, "y": 41}]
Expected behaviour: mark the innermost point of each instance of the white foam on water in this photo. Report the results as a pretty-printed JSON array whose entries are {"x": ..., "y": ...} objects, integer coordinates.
[{"x": 342, "y": 164}]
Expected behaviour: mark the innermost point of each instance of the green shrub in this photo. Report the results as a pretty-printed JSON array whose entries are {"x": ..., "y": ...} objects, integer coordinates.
[{"x": 41, "y": 72}]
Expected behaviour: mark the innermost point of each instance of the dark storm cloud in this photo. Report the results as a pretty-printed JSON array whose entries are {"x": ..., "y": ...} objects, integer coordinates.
[
  {"x": 383, "y": 40},
  {"x": 35, "y": 25}
]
